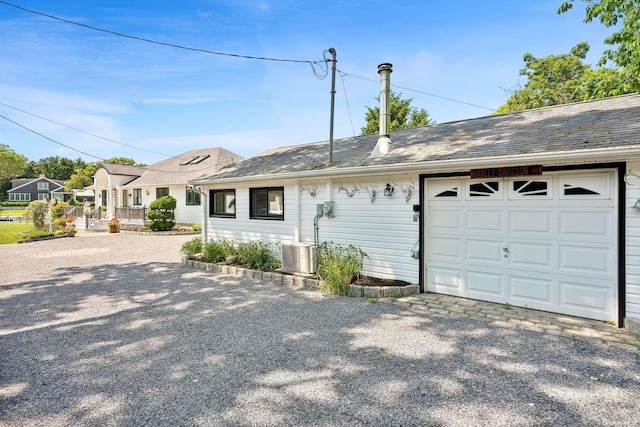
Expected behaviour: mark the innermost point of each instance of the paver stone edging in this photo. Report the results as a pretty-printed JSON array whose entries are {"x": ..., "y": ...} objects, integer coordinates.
[{"x": 298, "y": 281}]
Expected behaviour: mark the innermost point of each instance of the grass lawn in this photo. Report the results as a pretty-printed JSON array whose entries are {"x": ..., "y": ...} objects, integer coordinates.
[{"x": 11, "y": 232}]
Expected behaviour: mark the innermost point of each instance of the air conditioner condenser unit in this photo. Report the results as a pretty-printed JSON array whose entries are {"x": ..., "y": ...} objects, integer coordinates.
[{"x": 298, "y": 258}]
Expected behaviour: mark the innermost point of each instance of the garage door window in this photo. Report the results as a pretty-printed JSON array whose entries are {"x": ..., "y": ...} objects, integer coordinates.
[
  {"x": 444, "y": 189},
  {"x": 585, "y": 187},
  {"x": 529, "y": 189},
  {"x": 485, "y": 189}
]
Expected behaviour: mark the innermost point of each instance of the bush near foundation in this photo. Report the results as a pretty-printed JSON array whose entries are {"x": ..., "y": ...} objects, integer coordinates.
[
  {"x": 162, "y": 213},
  {"x": 338, "y": 266}
]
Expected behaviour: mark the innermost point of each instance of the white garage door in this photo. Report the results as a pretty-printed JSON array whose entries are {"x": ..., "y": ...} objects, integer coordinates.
[{"x": 545, "y": 242}]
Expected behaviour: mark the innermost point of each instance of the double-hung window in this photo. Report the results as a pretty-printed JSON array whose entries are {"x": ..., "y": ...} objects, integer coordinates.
[
  {"x": 137, "y": 196},
  {"x": 222, "y": 203},
  {"x": 193, "y": 197},
  {"x": 266, "y": 203},
  {"x": 161, "y": 192}
]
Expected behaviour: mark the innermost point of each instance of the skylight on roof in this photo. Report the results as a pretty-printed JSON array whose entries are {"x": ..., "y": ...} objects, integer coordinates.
[
  {"x": 191, "y": 159},
  {"x": 195, "y": 160},
  {"x": 200, "y": 159}
]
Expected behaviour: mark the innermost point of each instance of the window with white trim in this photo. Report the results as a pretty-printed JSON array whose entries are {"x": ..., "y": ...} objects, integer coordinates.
[
  {"x": 43, "y": 185},
  {"x": 137, "y": 196},
  {"x": 485, "y": 189},
  {"x": 19, "y": 197},
  {"x": 193, "y": 197},
  {"x": 530, "y": 188}
]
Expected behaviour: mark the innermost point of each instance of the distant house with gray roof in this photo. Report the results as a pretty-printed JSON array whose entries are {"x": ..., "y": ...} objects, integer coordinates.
[
  {"x": 539, "y": 208},
  {"x": 41, "y": 188},
  {"x": 121, "y": 187}
]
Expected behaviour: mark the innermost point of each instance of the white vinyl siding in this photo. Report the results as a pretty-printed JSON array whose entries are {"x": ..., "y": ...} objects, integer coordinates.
[
  {"x": 633, "y": 244},
  {"x": 384, "y": 229},
  {"x": 243, "y": 229}
]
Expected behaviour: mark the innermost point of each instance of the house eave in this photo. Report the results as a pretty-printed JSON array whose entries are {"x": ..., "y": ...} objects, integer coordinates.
[{"x": 560, "y": 157}]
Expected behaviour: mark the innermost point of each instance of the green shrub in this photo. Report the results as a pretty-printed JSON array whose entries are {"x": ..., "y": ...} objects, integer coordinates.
[
  {"x": 220, "y": 251},
  {"x": 5, "y": 203},
  {"x": 338, "y": 266},
  {"x": 192, "y": 247},
  {"x": 37, "y": 234},
  {"x": 58, "y": 210},
  {"x": 161, "y": 213},
  {"x": 258, "y": 256},
  {"x": 196, "y": 227}
]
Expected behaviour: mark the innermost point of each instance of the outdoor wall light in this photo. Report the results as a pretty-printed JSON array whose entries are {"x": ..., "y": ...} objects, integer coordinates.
[
  {"x": 636, "y": 205},
  {"x": 388, "y": 190},
  {"x": 147, "y": 191}
]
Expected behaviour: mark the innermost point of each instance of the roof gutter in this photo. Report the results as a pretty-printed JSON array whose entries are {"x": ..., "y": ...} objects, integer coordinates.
[{"x": 560, "y": 157}]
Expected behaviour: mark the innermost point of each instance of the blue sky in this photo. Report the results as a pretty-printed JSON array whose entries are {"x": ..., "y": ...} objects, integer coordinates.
[{"x": 168, "y": 101}]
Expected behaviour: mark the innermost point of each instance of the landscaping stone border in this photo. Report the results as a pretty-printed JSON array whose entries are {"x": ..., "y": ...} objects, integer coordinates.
[
  {"x": 299, "y": 281},
  {"x": 159, "y": 233},
  {"x": 37, "y": 239}
]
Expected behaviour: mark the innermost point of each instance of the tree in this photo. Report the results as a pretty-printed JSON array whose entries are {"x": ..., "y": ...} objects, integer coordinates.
[
  {"x": 626, "y": 39},
  {"x": 562, "y": 79},
  {"x": 36, "y": 211},
  {"x": 12, "y": 164},
  {"x": 403, "y": 116},
  {"x": 54, "y": 167}
]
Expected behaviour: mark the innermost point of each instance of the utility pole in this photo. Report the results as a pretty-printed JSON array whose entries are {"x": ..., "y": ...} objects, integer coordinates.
[{"x": 332, "y": 51}]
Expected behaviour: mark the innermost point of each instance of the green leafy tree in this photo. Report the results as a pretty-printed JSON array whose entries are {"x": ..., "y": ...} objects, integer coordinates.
[
  {"x": 12, "y": 164},
  {"x": 561, "y": 79},
  {"x": 625, "y": 41},
  {"x": 35, "y": 212},
  {"x": 55, "y": 167},
  {"x": 402, "y": 114},
  {"x": 162, "y": 213}
]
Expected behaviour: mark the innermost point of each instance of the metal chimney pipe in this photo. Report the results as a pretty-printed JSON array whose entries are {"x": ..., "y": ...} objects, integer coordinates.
[{"x": 384, "y": 145}]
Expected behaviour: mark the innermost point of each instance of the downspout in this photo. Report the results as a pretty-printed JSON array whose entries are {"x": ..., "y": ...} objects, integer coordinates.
[{"x": 203, "y": 202}]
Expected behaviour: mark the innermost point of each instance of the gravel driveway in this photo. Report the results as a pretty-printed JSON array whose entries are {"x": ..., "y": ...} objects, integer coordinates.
[{"x": 110, "y": 330}]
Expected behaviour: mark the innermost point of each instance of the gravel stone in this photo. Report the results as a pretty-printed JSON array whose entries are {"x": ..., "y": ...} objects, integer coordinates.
[{"x": 114, "y": 330}]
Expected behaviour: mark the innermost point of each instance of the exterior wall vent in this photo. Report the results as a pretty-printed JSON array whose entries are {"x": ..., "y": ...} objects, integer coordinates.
[{"x": 298, "y": 258}]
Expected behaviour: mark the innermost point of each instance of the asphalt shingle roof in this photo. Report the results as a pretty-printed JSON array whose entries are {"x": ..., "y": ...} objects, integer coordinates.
[
  {"x": 113, "y": 169},
  {"x": 175, "y": 171},
  {"x": 605, "y": 123}
]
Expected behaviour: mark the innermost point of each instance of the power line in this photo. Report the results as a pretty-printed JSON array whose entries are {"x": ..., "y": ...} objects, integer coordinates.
[
  {"x": 50, "y": 139},
  {"x": 421, "y": 92},
  {"x": 115, "y": 33},
  {"x": 82, "y": 131},
  {"x": 96, "y": 157}
]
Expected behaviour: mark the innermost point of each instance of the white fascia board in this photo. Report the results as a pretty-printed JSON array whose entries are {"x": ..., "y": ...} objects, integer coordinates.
[{"x": 558, "y": 158}]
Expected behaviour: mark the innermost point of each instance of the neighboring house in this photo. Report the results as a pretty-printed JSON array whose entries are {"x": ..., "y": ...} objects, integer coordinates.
[
  {"x": 536, "y": 209},
  {"x": 41, "y": 188},
  {"x": 119, "y": 186}
]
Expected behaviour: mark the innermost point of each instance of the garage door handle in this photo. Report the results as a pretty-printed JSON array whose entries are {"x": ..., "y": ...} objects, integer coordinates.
[{"x": 506, "y": 252}]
